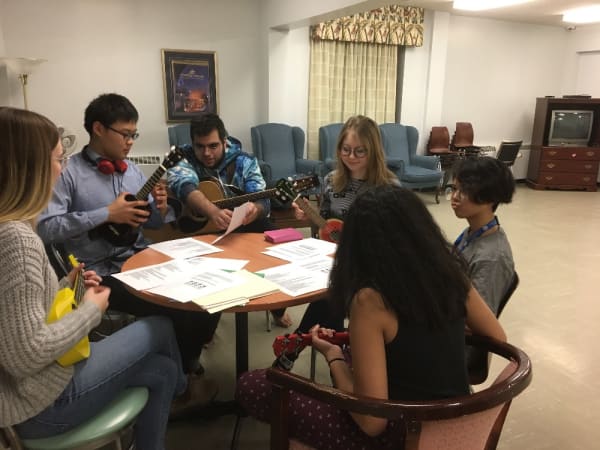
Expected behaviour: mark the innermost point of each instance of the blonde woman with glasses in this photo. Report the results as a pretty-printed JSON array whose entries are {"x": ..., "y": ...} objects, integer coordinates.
[{"x": 360, "y": 167}]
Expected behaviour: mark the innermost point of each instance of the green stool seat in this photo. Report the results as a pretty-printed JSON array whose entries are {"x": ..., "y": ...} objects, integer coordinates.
[{"x": 104, "y": 428}]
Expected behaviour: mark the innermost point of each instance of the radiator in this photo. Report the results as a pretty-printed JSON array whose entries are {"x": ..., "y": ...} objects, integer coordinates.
[{"x": 148, "y": 164}]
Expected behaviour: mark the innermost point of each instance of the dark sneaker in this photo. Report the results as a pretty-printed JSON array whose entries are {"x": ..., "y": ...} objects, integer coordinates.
[{"x": 200, "y": 392}]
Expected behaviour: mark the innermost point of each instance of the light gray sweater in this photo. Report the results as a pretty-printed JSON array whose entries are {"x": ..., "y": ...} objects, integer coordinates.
[{"x": 30, "y": 378}]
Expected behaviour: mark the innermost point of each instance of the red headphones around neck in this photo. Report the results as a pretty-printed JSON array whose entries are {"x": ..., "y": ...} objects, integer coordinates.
[{"x": 106, "y": 166}]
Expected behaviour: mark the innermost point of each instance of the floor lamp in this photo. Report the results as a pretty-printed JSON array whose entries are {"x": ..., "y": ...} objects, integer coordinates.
[{"x": 23, "y": 68}]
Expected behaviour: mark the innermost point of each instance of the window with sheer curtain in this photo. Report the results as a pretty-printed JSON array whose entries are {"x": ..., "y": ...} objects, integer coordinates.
[{"x": 354, "y": 65}]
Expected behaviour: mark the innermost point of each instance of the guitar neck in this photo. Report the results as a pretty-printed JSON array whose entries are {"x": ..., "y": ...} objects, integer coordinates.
[
  {"x": 150, "y": 183},
  {"x": 79, "y": 287},
  {"x": 228, "y": 203},
  {"x": 311, "y": 212}
]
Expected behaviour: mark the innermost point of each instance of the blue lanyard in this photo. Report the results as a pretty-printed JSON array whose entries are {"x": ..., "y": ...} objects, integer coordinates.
[{"x": 469, "y": 239}]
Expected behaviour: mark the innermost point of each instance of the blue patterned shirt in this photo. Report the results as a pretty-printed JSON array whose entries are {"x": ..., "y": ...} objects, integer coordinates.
[{"x": 189, "y": 172}]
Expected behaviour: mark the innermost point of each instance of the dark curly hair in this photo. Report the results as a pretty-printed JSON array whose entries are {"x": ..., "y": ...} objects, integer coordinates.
[
  {"x": 485, "y": 180},
  {"x": 203, "y": 124},
  {"x": 391, "y": 243}
]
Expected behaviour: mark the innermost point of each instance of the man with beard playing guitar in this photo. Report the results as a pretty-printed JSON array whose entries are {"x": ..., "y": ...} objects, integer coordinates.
[{"x": 216, "y": 156}]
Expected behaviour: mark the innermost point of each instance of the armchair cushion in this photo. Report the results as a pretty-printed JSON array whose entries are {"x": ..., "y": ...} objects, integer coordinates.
[
  {"x": 400, "y": 144},
  {"x": 179, "y": 135},
  {"x": 328, "y": 137},
  {"x": 281, "y": 148}
]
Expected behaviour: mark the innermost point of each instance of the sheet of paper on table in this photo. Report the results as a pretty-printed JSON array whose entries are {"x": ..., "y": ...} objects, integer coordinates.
[
  {"x": 157, "y": 274},
  {"x": 177, "y": 269},
  {"x": 298, "y": 250},
  {"x": 251, "y": 286},
  {"x": 301, "y": 277},
  {"x": 197, "y": 286},
  {"x": 237, "y": 219},
  {"x": 184, "y": 248},
  {"x": 218, "y": 263}
]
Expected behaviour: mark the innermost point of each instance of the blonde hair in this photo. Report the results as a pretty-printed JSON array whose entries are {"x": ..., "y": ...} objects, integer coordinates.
[
  {"x": 28, "y": 140},
  {"x": 370, "y": 137}
]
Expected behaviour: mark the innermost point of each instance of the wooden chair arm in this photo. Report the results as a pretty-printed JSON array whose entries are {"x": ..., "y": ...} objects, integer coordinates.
[{"x": 419, "y": 410}]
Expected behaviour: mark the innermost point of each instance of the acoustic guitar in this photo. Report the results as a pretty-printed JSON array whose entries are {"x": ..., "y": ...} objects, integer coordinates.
[
  {"x": 192, "y": 222},
  {"x": 122, "y": 234},
  {"x": 329, "y": 230}
]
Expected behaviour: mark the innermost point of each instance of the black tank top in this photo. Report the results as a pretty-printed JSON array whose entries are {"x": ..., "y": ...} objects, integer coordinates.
[{"x": 424, "y": 364}]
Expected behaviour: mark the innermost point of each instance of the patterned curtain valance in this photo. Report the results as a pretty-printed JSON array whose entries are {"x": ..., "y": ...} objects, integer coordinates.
[{"x": 392, "y": 25}]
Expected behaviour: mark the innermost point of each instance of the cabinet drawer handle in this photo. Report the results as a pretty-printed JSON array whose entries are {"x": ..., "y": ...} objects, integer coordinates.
[
  {"x": 550, "y": 165},
  {"x": 552, "y": 152},
  {"x": 548, "y": 178},
  {"x": 586, "y": 179},
  {"x": 590, "y": 153},
  {"x": 573, "y": 155},
  {"x": 588, "y": 166}
]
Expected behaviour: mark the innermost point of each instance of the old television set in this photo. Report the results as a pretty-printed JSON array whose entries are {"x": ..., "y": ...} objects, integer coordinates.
[{"x": 570, "y": 127}]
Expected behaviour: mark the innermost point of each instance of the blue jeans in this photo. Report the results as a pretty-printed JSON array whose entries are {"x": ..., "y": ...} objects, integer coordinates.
[{"x": 145, "y": 354}]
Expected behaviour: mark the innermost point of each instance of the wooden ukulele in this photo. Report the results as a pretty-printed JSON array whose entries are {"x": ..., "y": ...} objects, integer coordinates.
[
  {"x": 293, "y": 344},
  {"x": 329, "y": 230},
  {"x": 122, "y": 234},
  {"x": 287, "y": 347},
  {"x": 191, "y": 222}
]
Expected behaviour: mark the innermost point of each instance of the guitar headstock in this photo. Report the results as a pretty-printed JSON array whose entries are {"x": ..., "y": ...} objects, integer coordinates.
[
  {"x": 173, "y": 157},
  {"x": 287, "y": 190}
]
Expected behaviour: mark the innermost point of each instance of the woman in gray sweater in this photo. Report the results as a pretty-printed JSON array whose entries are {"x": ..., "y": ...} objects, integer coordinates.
[{"x": 37, "y": 395}]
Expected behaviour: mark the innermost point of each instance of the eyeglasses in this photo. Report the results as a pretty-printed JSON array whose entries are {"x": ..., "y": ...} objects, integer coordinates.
[
  {"x": 126, "y": 135},
  {"x": 63, "y": 160},
  {"x": 358, "y": 152},
  {"x": 454, "y": 191}
]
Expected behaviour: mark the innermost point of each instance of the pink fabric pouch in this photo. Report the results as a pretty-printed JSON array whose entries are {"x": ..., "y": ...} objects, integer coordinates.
[{"x": 283, "y": 235}]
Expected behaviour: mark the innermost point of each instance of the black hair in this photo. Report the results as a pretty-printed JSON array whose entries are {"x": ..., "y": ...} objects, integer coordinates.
[
  {"x": 108, "y": 109},
  {"x": 391, "y": 243},
  {"x": 204, "y": 124},
  {"x": 485, "y": 180}
]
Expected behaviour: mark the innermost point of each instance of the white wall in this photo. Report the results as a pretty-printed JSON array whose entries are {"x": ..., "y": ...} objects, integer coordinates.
[
  {"x": 289, "y": 60},
  {"x": 94, "y": 47},
  {"x": 495, "y": 70},
  {"x": 483, "y": 71},
  {"x": 579, "y": 42}
]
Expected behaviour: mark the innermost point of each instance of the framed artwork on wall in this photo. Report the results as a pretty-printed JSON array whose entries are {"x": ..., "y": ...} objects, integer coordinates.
[{"x": 190, "y": 83}]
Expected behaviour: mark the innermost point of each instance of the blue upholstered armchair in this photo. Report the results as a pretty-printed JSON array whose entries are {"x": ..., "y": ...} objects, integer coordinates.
[
  {"x": 179, "y": 134},
  {"x": 280, "y": 148},
  {"x": 328, "y": 137},
  {"x": 400, "y": 146}
]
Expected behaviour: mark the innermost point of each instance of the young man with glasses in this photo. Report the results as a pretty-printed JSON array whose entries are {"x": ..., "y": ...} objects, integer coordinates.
[
  {"x": 90, "y": 192},
  {"x": 218, "y": 157}
]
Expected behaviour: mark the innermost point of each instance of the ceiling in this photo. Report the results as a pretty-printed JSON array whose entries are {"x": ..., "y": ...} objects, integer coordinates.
[{"x": 546, "y": 12}]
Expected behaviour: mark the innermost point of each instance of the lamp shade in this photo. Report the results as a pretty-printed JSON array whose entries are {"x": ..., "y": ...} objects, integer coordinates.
[{"x": 21, "y": 66}]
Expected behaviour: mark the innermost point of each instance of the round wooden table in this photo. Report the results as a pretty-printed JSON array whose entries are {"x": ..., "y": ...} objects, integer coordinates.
[{"x": 246, "y": 246}]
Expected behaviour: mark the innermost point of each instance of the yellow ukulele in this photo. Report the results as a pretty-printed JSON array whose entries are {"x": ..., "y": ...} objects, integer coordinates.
[{"x": 65, "y": 301}]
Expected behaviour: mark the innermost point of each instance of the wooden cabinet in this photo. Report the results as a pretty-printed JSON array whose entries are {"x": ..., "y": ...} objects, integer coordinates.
[
  {"x": 557, "y": 167},
  {"x": 565, "y": 168}
]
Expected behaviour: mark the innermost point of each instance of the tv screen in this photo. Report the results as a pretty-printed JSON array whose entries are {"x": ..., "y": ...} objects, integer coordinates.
[{"x": 570, "y": 127}]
